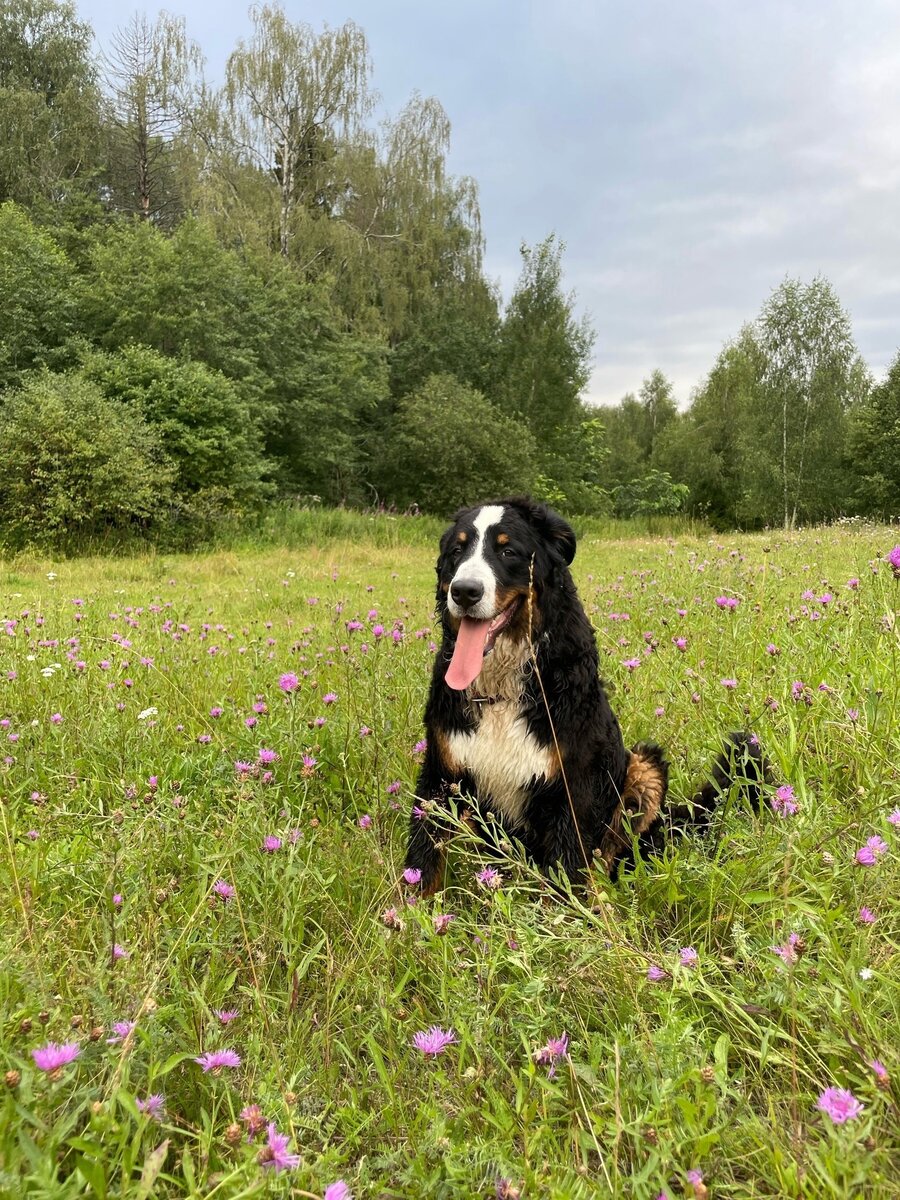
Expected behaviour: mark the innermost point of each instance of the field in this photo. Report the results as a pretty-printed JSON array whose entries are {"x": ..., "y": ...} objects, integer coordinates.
[{"x": 209, "y": 763}]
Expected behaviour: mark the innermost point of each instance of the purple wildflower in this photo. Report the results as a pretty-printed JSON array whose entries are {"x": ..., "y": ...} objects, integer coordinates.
[
  {"x": 215, "y": 1060},
  {"x": 894, "y": 817},
  {"x": 53, "y": 1057},
  {"x": 894, "y": 561},
  {"x": 337, "y": 1191},
  {"x": 119, "y": 952},
  {"x": 271, "y": 843},
  {"x": 365, "y": 821},
  {"x": 555, "y": 1049},
  {"x": 224, "y": 890},
  {"x": 121, "y": 1030},
  {"x": 153, "y": 1106},
  {"x": 412, "y": 876},
  {"x": 330, "y": 698},
  {"x": 289, "y": 682},
  {"x": 267, "y": 756},
  {"x": 434, "y": 1041},
  {"x": 730, "y": 684},
  {"x": 688, "y": 956},
  {"x": 655, "y": 973},
  {"x": 393, "y": 788},
  {"x": 441, "y": 922},
  {"x": 275, "y": 1153},
  {"x": 489, "y": 878},
  {"x": 226, "y": 1015},
  {"x": 869, "y": 854},
  {"x": 783, "y": 802},
  {"x": 839, "y": 1104},
  {"x": 253, "y": 1118},
  {"x": 866, "y": 916}
]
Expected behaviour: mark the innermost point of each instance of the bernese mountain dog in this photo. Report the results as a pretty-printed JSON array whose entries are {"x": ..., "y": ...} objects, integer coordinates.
[{"x": 517, "y": 715}]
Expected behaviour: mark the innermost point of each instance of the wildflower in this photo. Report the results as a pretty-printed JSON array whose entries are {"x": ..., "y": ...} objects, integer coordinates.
[
  {"x": 866, "y": 916},
  {"x": 772, "y": 649},
  {"x": 274, "y": 1154},
  {"x": 783, "y": 802},
  {"x": 215, "y": 1060},
  {"x": 870, "y": 853},
  {"x": 117, "y": 899},
  {"x": 441, "y": 922},
  {"x": 224, "y": 890},
  {"x": 309, "y": 766},
  {"x": 337, "y": 1191},
  {"x": 53, "y": 1057},
  {"x": 489, "y": 878},
  {"x": 56, "y": 718},
  {"x": 253, "y": 1118},
  {"x": 330, "y": 698},
  {"x": 365, "y": 821},
  {"x": 680, "y": 643},
  {"x": 631, "y": 663},
  {"x": 267, "y": 756},
  {"x": 226, "y": 1015},
  {"x": 215, "y": 712},
  {"x": 119, "y": 952},
  {"x": 882, "y": 1078},
  {"x": 688, "y": 956},
  {"x": 853, "y": 715},
  {"x": 271, "y": 843},
  {"x": 894, "y": 561},
  {"x": 390, "y": 918},
  {"x": 730, "y": 684},
  {"x": 853, "y": 584},
  {"x": 790, "y": 951},
  {"x": 727, "y": 602},
  {"x": 434, "y": 1041},
  {"x": 289, "y": 682},
  {"x": 894, "y": 817},
  {"x": 393, "y": 788},
  {"x": 146, "y": 712},
  {"x": 412, "y": 875},
  {"x": 655, "y": 973},
  {"x": 865, "y": 974},
  {"x": 839, "y": 1104},
  {"x": 121, "y": 1030},
  {"x": 153, "y": 1106},
  {"x": 550, "y": 1054}
]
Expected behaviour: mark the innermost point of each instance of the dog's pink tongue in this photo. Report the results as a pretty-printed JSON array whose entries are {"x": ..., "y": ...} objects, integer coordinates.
[{"x": 468, "y": 653}]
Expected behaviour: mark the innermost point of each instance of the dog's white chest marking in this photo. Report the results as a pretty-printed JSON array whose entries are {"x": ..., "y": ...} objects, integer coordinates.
[{"x": 500, "y": 754}]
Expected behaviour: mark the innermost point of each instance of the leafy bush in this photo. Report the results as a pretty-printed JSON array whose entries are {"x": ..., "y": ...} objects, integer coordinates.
[
  {"x": 204, "y": 425},
  {"x": 653, "y": 495},
  {"x": 36, "y": 281},
  {"x": 73, "y": 463},
  {"x": 451, "y": 446}
]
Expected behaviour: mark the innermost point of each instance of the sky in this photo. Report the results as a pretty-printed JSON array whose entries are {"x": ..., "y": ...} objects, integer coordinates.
[{"x": 690, "y": 154}]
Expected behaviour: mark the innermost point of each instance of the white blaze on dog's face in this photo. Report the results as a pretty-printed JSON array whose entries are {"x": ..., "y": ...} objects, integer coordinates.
[{"x": 474, "y": 571}]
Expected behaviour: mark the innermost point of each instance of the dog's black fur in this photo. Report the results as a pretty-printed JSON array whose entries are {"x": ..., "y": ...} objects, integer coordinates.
[{"x": 596, "y": 796}]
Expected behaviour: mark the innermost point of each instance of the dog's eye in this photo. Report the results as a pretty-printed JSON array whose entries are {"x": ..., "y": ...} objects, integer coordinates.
[
  {"x": 456, "y": 551},
  {"x": 507, "y": 552}
]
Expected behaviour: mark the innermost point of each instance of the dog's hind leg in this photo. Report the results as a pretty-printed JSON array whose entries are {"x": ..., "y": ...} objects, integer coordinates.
[{"x": 639, "y": 810}]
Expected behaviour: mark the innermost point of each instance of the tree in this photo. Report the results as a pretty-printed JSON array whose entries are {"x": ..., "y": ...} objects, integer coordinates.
[
  {"x": 544, "y": 351},
  {"x": 73, "y": 463},
  {"x": 659, "y": 406},
  {"x": 655, "y": 494},
  {"x": 874, "y": 446},
  {"x": 49, "y": 102},
  {"x": 808, "y": 354},
  {"x": 36, "y": 283},
  {"x": 451, "y": 446},
  {"x": 148, "y": 67},
  {"x": 290, "y": 93}
]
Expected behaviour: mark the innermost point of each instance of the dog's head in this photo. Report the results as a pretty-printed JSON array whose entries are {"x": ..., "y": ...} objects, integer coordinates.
[{"x": 492, "y": 557}]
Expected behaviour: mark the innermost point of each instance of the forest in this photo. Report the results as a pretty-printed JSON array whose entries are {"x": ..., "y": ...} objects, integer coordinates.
[{"x": 222, "y": 295}]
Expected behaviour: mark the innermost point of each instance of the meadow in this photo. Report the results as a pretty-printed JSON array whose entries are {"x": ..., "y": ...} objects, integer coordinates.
[{"x": 208, "y": 764}]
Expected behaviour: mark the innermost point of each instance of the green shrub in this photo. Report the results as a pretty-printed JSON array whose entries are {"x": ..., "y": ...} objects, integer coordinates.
[
  {"x": 73, "y": 463},
  {"x": 203, "y": 422},
  {"x": 451, "y": 446}
]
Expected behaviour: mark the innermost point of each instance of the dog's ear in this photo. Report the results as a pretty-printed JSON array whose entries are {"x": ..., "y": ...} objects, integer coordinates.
[{"x": 550, "y": 525}]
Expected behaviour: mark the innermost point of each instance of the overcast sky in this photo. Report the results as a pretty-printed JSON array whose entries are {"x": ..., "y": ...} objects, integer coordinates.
[{"x": 690, "y": 153}]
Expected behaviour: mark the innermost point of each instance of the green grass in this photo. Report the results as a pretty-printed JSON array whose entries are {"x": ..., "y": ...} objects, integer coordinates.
[{"x": 716, "y": 1067}]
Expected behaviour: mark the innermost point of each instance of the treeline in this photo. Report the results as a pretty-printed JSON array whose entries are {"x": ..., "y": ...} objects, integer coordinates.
[
  {"x": 214, "y": 297},
  {"x": 787, "y": 428}
]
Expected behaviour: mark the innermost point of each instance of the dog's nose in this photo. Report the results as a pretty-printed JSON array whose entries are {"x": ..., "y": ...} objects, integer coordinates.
[{"x": 466, "y": 592}]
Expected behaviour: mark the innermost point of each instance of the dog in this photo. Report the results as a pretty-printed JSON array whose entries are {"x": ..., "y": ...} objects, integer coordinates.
[{"x": 518, "y": 717}]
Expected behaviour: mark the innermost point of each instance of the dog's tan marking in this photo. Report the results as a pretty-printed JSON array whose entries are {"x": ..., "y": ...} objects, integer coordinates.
[
  {"x": 642, "y": 798},
  {"x": 462, "y": 536},
  {"x": 502, "y": 539}
]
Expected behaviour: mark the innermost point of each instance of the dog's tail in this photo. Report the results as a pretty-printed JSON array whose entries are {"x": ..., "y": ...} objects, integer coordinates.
[{"x": 740, "y": 764}]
